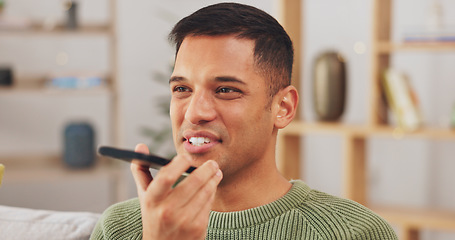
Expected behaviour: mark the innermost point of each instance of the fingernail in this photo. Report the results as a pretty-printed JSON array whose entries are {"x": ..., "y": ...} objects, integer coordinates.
[
  {"x": 219, "y": 173},
  {"x": 137, "y": 147}
]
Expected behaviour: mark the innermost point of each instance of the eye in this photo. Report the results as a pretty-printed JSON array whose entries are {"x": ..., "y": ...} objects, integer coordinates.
[
  {"x": 181, "y": 91},
  {"x": 225, "y": 90},
  {"x": 228, "y": 93}
]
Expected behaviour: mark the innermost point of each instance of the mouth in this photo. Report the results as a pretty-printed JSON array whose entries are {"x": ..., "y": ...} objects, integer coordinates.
[{"x": 199, "y": 141}]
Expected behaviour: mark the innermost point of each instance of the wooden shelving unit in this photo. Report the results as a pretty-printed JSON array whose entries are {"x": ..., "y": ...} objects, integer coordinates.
[
  {"x": 33, "y": 84},
  {"x": 355, "y": 187},
  {"x": 36, "y": 84},
  {"x": 49, "y": 167}
]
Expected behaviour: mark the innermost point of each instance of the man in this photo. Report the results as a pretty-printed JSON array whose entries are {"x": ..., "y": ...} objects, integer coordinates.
[{"x": 231, "y": 94}]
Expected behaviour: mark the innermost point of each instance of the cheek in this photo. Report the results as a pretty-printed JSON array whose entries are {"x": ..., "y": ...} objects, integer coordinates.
[
  {"x": 254, "y": 122},
  {"x": 176, "y": 115},
  {"x": 175, "y": 110},
  {"x": 172, "y": 114}
]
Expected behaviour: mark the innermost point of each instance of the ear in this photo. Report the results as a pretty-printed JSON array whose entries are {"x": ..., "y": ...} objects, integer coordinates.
[{"x": 286, "y": 103}]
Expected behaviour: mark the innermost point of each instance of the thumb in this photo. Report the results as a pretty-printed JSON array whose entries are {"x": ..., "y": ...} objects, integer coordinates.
[{"x": 141, "y": 173}]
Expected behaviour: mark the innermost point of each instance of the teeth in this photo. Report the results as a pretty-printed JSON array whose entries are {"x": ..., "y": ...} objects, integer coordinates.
[{"x": 199, "y": 141}]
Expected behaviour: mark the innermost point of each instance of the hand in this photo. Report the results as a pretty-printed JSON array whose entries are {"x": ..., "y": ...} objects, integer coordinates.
[{"x": 175, "y": 213}]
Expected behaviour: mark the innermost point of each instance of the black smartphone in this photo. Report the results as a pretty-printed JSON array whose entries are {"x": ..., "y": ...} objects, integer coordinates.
[{"x": 128, "y": 155}]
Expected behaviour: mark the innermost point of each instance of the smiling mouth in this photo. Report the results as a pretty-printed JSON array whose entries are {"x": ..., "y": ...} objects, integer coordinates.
[{"x": 199, "y": 141}]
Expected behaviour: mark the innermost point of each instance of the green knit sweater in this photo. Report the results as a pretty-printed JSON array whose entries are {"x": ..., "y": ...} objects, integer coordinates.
[{"x": 302, "y": 213}]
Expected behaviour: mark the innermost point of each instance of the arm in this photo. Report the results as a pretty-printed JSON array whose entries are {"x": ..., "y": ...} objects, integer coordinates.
[{"x": 175, "y": 213}]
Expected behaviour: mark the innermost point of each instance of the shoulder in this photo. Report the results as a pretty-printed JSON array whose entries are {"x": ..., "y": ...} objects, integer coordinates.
[
  {"x": 343, "y": 217},
  {"x": 120, "y": 221}
]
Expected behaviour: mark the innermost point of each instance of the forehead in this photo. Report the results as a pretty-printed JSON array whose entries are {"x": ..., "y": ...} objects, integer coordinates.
[
  {"x": 212, "y": 56},
  {"x": 224, "y": 44}
]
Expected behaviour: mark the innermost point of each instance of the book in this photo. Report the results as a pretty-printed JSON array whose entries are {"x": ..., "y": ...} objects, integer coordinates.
[
  {"x": 452, "y": 121},
  {"x": 402, "y": 100},
  {"x": 76, "y": 80},
  {"x": 425, "y": 35},
  {"x": 429, "y": 37},
  {"x": 2, "y": 170}
]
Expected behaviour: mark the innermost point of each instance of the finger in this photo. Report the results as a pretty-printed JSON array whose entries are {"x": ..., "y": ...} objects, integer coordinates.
[
  {"x": 168, "y": 176},
  {"x": 196, "y": 181},
  {"x": 141, "y": 173},
  {"x": 205, "y": 208},
  {"x": 202, "y": 201}
]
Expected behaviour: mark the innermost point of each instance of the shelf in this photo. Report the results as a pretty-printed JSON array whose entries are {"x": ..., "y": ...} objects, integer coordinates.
[
  {"x": 418, "y": 218},
  {"x": 47, "y": 167},
  {"x": 39, "y": 30},
  {"x": 50, "y": 168},
  {"x": 15, "y": 91},
  {"x": 431, "y": 133},
  {"x": 387, "y": 47},
  {"x": 300, "y": 128},
  {"x": 37, "y": 86}
]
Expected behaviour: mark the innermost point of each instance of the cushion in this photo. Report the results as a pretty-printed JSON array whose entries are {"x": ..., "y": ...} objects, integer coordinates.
[{"x": 24, "y": 223}]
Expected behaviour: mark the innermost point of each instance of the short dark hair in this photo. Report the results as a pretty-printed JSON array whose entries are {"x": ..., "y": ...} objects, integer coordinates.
[{"x": 273, "y": 51}]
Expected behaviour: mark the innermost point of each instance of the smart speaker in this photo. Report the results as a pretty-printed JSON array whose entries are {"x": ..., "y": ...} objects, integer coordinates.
[
  {"x": 6, "y": 76},
  {"x": 79, "y": 146}
]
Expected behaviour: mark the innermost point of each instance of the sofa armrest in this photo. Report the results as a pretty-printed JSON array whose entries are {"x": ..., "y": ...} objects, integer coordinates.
[{"x": 24, "y": 223}]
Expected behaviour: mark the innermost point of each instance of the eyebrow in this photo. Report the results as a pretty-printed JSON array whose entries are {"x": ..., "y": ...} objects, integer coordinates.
[
  {"x": 176, "y": 79},
  {"x": 224, "y": 79},
  {"x": 229, "y": 79}
]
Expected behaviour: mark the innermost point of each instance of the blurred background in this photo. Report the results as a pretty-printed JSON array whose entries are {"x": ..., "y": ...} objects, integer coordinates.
[{"x": 75, "y": 75}]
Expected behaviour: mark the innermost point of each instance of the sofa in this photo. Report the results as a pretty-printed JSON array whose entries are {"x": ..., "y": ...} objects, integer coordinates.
[{"x": 30, "y": 224}]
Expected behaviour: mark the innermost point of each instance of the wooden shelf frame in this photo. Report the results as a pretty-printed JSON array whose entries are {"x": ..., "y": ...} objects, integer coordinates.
[
  {"x": 354, "y": 137},
  {"x": 410, "y": 221},
  {"x": 38, "y": 30},
  {"x": 298, "y": 128},
  {"x": 291, "y": 17},
  {"x": 388, "y": 47},
  {"x": 35, "y": 84},
  {"x": 49, "y": 166}
]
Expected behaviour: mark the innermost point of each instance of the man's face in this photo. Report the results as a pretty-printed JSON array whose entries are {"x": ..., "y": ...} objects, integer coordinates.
[{"x": 218, "y": 106}]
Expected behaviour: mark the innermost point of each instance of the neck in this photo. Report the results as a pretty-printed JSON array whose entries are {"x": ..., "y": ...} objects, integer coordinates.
[{"x": 236, "y": 193}]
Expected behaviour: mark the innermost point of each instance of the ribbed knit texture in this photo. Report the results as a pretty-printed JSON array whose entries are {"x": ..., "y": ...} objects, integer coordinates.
[{"x": 302, "y": 213}]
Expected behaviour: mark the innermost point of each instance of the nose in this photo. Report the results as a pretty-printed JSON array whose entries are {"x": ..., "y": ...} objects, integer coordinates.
[{"x": 201, "y": 108}]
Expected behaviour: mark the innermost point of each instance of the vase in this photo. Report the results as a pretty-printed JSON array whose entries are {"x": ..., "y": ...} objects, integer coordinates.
[{"x": 329, "y": 86}]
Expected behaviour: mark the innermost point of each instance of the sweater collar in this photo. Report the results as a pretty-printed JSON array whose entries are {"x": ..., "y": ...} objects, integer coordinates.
[{"x": 245, "y": 218}]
